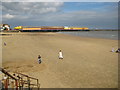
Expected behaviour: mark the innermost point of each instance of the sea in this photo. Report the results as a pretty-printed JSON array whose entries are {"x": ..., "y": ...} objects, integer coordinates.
[{"x": 95, "y": 34}]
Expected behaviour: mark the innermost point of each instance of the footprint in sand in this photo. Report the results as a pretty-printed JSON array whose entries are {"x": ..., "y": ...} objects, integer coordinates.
[
  {"x": 26, "y": 67},
  {"x": 30, "y": 66},
  {"x": 6, "y": 67}
]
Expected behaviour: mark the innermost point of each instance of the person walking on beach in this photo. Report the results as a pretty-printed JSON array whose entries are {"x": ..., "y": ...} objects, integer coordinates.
[
  {"x": 60, "y": 55},
  {"x": 5, "y": 44},
  {"x": 118, "y": 51},
  {"x": 39, "y": 59}
]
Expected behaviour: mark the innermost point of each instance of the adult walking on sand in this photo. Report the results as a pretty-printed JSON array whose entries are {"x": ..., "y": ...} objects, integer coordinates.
[
  {"x": 39, "y": 59},
  {"x": 60, "y": 55},
  {"x": 118, "y": 51}
]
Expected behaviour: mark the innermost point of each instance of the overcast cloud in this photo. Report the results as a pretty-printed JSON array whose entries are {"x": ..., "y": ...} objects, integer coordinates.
[
  {"x": 52, "y": 14},
  {"x": 60, "y": 1}
]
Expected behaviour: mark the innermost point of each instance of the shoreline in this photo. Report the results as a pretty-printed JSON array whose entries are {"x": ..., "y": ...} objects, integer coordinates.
[
  {"x": 89, "y": 34},
  {"x": 43, "y": 33}
]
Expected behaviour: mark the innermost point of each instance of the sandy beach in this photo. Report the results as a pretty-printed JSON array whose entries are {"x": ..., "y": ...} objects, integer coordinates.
[{"x": 87, "y": 63}]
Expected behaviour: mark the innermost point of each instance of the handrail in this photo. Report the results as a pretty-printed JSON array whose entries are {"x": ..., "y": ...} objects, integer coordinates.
[
  {"x": 18, "y": 79},
  {"x": 2, "y": 70},
  {"x": 27, "y": 76},
  {"x": 28, "y": 79}
]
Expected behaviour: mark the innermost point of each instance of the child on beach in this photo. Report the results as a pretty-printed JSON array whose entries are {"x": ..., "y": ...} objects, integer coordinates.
[
  {"x": 39, "y": 59},
  {"x": 60, "y": 55}
]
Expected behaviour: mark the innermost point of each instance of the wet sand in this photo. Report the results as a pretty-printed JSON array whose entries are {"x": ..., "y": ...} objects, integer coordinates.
[{"x": 87, "y": 63}]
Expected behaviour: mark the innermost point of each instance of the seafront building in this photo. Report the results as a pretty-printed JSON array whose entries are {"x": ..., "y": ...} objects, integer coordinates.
[{"x": 4, "y": 27}]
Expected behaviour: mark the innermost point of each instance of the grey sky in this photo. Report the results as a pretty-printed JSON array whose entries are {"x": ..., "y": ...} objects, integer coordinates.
[{"x": 60, "y": 14}]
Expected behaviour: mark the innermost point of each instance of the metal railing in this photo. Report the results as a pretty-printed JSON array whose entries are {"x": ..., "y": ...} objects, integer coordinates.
[{"x": 18, "y": 81}]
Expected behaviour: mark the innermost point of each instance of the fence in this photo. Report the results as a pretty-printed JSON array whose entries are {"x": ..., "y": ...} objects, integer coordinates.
[{"x": 18, "y": 81}]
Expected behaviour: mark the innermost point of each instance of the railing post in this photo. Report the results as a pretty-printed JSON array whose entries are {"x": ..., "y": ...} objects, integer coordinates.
[
  {"x": 28, "y": 79},
  {"x": 6, "y": 82},
  {"x": 16, "y": 84},
  {"x": 22, "y": 83},
  {"x": 37, "y": 84}
]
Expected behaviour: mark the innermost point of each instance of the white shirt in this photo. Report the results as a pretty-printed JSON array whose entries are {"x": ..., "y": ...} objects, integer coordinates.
[{"x": 60, "y": 55}]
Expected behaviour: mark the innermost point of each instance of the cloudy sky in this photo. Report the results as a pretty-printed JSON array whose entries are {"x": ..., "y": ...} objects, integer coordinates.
[{"x": 103, "y": 15}]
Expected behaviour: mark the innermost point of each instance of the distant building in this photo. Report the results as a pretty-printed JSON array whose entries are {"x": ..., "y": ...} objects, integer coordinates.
[{"x": 4, "y": 27}]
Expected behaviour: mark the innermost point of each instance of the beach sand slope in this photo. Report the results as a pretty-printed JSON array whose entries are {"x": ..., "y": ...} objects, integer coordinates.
[{"x": 87, "y": 63}]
